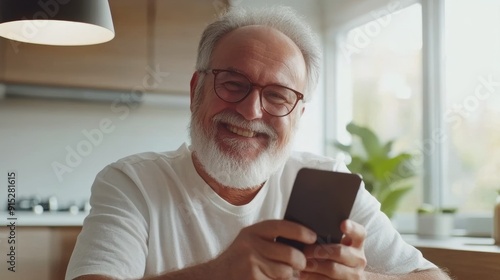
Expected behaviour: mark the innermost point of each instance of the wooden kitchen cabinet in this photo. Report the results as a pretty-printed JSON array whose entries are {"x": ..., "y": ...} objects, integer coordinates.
[
  {"x": 177, "y": 30},
  {"x": 41, "y": 252},
  {"x": 63, "y": 240},
  {"x": 32, "y": 251},
  {"x": 152, "y": 35},
  {"x": 118, "y": 64},
  {"x": 2, "y": 59}
]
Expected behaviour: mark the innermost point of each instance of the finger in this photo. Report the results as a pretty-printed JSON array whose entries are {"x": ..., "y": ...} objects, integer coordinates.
[
  {"x": 261, "y": 273},
  {"x": 282, "y": 253},
  {"x": 324, "y": 269},
  {"x": 271, "y": 229},
  {"x": 305, "y": 275},
  {"x": 271, "y": 269},
  {"x": 323, "y": 251},
  {"x": 277, "y": 270},
  {"x": 354, "y": 234},
  {"x": 339, "y": 253}
]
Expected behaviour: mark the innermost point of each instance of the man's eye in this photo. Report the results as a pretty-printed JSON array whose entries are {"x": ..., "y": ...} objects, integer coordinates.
[
  {"x": 235, "y": 86},
  {"x": 276, "y": 98}
]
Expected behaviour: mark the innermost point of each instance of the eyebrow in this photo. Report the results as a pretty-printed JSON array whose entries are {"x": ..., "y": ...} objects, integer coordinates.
[{"x": 246, "y": 75}]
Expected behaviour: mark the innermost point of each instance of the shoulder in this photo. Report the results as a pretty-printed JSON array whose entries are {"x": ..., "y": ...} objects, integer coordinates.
[
  {"x": 146, "y": 172},
  {"x": 138, "y": 180},
  {"x": 151, "y": 159}
]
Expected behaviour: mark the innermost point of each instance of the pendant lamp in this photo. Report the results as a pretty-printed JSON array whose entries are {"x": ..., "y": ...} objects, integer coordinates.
[{"x": 56, "y": 22}]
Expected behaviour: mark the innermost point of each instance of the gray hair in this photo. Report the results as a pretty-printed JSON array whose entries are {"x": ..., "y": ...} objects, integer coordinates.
[{"x": 283, "y": 19}]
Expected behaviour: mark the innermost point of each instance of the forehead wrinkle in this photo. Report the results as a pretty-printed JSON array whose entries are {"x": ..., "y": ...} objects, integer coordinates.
[
  {"x": 269, "y": 56},
  {"x": 261, "y": 50},
  {"x": 287, "y": 79}
]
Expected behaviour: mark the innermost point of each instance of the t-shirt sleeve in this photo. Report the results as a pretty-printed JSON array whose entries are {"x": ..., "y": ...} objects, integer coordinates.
[
  {"x": 385, "y": 250},
  {"x": 113, "y": 241}
]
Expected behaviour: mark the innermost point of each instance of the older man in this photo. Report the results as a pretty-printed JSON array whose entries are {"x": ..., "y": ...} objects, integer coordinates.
[{"x": 213, "y": 210}]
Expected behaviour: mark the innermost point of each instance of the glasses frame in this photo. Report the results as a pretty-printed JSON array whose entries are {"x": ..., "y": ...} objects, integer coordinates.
[{"x": 253, "y": 85}]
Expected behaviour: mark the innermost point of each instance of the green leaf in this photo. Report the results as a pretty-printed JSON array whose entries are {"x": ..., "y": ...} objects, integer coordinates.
[
  {"x": 390, "y": 201},
  {"x": 370, "y": 141},
  {"x": 392, "y": 169},
  {"x": 356, "y": 165},
  {"x": 369, "y": 187},
  {"x": 342, "y": 147},
  {"x": 426, "y": 208},
  {"x": 385, "y": 175},
  {"x": 387, "y": 148},
  {"x": 449, "y": 210}
]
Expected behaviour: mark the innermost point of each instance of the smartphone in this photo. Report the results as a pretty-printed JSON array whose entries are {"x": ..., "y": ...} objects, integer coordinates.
[{"x": 321, "y": 200}]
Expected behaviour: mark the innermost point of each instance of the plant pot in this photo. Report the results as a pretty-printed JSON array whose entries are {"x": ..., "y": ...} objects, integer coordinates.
[{"x": 435, "y": 225}]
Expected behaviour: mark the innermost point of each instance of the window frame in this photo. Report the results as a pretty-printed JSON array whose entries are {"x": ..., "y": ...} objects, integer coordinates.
[{"x": 433, "y": 86}]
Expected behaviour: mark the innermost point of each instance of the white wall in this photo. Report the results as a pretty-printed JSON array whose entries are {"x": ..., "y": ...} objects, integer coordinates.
[{"x": 37, "y": 133}]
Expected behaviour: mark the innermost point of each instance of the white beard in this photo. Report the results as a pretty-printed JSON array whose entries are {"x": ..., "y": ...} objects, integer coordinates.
[{"x": 229, "y": 170}]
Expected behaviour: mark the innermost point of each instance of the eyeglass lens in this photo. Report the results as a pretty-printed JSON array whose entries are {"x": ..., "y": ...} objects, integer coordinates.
[{"x": 233, "y": 87}]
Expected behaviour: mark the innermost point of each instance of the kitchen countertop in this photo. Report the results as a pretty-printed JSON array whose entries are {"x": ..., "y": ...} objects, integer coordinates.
[{"x": 45, "y": 219}]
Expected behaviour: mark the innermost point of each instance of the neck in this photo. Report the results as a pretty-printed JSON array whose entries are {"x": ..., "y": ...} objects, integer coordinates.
[{"x": 232, "y": 195}]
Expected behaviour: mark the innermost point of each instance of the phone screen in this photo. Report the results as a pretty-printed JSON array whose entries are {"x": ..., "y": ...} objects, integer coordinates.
[{"x": 321, "y": 200}]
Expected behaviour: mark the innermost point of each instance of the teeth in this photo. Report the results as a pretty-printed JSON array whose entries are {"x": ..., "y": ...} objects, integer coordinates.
[{"x": 240, "y": 131}]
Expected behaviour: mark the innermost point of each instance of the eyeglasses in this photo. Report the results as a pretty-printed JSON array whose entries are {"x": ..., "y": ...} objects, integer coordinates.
[{"x": 276, "y": 100}]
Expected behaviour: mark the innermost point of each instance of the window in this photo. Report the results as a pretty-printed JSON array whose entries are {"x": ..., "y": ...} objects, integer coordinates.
[
  {"x": 472, "y": 104},
  {"x": 383, "y": 73},
  {"x": 383, "y": 67}
]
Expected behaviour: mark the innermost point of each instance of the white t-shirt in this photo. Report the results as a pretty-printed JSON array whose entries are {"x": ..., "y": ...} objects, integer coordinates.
[{"x": 152, "y": 213}]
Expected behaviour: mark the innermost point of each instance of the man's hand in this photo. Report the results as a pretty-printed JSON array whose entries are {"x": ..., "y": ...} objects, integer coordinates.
[
  {"x": 338, "y": 261},
  {"x": 254, "y": 254}
]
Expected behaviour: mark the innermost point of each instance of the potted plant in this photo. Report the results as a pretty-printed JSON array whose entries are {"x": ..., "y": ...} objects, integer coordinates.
[
  {"x": 435, "y": 222},
  {"x": 387, "y": 175}
]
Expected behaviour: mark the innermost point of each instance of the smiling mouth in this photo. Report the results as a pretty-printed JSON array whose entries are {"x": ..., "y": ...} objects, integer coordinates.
[{"x": 240, "y": 131}]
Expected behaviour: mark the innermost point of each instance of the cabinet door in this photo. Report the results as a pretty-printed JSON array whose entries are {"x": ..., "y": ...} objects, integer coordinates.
[
  {"x": 118, "y": 64},
  {"x": 31, "y": 254},
  {"x": 177, "y": 31},
  {"x": 63, "y": 243},
  {"x": 41, "y": 253}
]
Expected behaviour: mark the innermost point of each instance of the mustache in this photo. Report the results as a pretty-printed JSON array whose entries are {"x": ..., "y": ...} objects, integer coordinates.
[{"x": 257, "y": 126}]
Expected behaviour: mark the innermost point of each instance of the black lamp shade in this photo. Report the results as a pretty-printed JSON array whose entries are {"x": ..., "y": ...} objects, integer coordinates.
[{"x": 56, "y": 22}]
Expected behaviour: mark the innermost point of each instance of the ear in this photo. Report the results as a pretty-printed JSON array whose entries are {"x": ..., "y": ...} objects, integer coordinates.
[
  {"x": 192, "y": 84},
  {"x": 302, "y": 110}
]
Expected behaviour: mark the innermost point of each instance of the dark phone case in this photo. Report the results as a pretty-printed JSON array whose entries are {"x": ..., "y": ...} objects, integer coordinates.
[{"x": 321, "y": 200}]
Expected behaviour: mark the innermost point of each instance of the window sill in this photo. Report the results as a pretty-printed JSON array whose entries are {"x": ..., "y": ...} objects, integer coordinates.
[
  {"x": 471, "y": 225},
  {"x": 475, "y": 244}
]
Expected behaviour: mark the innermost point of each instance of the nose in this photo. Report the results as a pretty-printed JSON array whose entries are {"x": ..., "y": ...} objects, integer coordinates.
[{"x": 250, "y": 107}]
